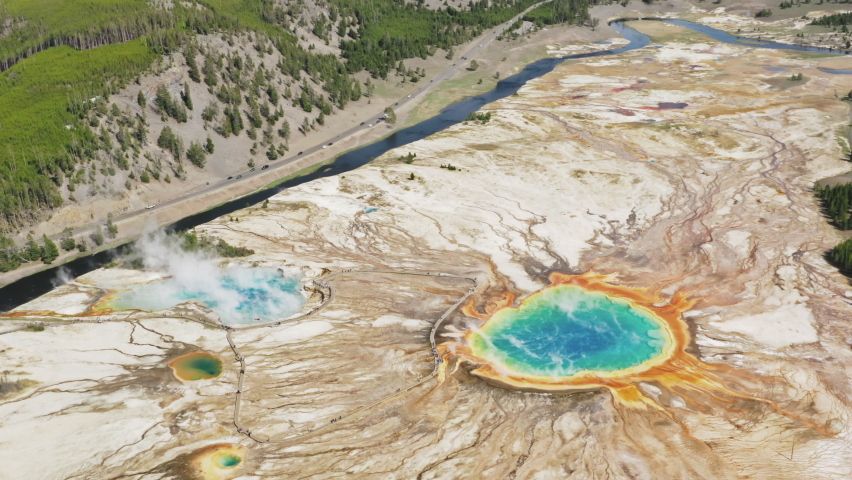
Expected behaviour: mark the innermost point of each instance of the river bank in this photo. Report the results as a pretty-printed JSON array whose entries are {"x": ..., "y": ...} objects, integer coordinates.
[{"x": 194, "y": 195}]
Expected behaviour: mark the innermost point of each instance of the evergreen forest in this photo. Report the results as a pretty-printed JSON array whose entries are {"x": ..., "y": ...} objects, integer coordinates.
[
  {"x": 833, "y": 20},
  {"x": 835, "y": 200},
  {"x": 62, "y": 60}
]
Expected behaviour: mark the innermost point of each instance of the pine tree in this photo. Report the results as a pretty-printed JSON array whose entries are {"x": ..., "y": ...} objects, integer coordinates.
[
  {"x": 140, "y": 99},
  {"x": 68, "y": 243},
  {"x": 284, "y": 131},
  {"x": 112, "y": 228},
  {"x": 33, "y": 251},
  {"x": 210, "y": 71},
  {"x": 10, "y": 257},
  {"x": 196, "y": 155},
  {"x": 49, "y": 252},
  {"x": 305, "y": 102},
  {"x": 391, "y": 115},
  {"x": 194, "y": 74},
  {"x": 98, "y": 236},
  {"x": 187, "y": 100}
]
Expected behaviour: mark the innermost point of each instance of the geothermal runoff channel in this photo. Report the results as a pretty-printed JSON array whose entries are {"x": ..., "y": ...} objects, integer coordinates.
[{"x": 35, "y": 285}]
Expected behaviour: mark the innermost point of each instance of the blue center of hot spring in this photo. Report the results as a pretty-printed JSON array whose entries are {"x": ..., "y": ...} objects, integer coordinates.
[
  {"x": 239, "y": 296},
  {"x": 564, "y": 330}
]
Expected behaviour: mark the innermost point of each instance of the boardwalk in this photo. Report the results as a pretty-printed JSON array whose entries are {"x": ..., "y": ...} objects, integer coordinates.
[{"x": 328, "y": 296}]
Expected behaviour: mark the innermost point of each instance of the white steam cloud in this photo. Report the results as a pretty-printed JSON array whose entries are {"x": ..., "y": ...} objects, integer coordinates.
[
  {"x": 63, "y": 276},
  {"x": 238, "y": 294}
]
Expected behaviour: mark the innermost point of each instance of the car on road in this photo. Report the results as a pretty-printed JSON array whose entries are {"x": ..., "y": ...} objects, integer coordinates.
[
  {"x": 362, "y": 123},
  {"x": 395, "y": 104},
  {"x": 299, "y": 153},
  {"x": 325, "y": 146},
  {"x": 252, "y": 170},
  {"x": 230, "y": 178},
  {"x": 370, "y": 125},
  {"x": 330, "y": 143},
  {"x": 265, "y": 167},
  {"x": 454, "y": 64},
  {"x": 409, "y": 96},
  {"x": 149, "y": 207},
  {"x": 239, "y": 177}
]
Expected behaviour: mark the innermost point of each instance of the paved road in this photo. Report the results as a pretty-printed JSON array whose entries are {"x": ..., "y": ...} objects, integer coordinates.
[{"x": 374, "y": 121}]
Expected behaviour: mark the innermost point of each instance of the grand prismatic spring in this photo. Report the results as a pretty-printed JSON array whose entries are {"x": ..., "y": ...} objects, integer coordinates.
[
  {"x": 585, "y": 333},
  {"x": 580, "y": 333},
  {"x": 566, "y": 330}
]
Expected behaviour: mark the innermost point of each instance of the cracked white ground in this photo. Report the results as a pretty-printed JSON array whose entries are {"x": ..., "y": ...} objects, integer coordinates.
[{"x": 572, "y": 174}]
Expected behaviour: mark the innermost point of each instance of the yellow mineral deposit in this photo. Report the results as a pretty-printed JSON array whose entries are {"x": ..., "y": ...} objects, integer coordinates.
[
  {"x": 220, "y": 461},
  {"x": 674, "y": 368}
]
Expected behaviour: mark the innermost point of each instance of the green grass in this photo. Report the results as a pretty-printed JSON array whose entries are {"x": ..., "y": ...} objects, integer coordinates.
[
  {"x": 843, "y": 140},
  {"x": 36, "y": 125},
  {"x": 390, "y": 31},
  {"x": 305, "y": 171},
  {"x": 72, "y": 19},
  {"x": 558, "y": 11},
  {"x": 449, "y": 92},
  {"x": 34, "y": 94},
  {"x": 811, "y": 55},
  {"x": 74, "y": 15}
]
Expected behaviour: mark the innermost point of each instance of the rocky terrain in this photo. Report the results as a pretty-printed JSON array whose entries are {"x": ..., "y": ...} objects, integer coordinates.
[{"x": 685, "y": 169}]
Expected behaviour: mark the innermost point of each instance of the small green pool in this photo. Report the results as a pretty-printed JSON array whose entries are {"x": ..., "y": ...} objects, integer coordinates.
[
  {"x": 196, "y": 366},
  {"x": 226, "y": 460}
]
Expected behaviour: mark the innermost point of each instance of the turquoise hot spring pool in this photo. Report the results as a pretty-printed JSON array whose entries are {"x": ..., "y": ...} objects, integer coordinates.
[
  {"x": 238, "y": 295},
  {"x": 564, "y": 330}
]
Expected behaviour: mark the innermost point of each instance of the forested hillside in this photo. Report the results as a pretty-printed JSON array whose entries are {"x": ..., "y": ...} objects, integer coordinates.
[{"x": 62, "y": 137}]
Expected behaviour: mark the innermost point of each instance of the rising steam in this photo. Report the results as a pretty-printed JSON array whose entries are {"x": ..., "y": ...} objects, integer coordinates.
[
  {"x": 63, "y": 276},
  {"x": 238, "y": 294}
]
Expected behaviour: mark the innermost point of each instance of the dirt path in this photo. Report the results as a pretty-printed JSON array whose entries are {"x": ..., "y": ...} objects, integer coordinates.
[
  {"x": 328, "y": 293},
  {"x": 438, "y": 361}
]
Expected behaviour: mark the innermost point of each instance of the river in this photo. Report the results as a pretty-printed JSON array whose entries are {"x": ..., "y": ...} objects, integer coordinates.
[{"x": 33, "y": 286}]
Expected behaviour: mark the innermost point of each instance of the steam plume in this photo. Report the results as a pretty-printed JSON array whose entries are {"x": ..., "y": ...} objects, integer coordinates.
[{"x": 238, "y": 294}]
